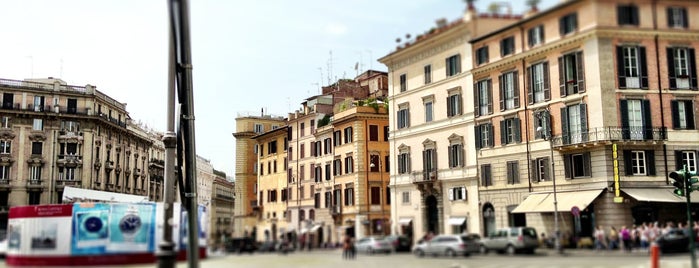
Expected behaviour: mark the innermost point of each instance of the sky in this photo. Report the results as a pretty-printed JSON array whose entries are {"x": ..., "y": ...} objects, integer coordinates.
[{"x": 247, "y": 56}]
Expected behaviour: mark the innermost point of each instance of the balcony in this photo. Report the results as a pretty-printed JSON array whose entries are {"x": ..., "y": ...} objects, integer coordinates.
[
  {"x": 5, "y": 184},
  {"x": 110, "y": 186},
  {"x": 69, "y": 160},
  {"x": 420, "y": 177},
  {"x": 35, "y": 184},
  {"x": 71, "y": 183},
  {"x": 610, "y": 134},
  {"x": 335, "y": 210}
]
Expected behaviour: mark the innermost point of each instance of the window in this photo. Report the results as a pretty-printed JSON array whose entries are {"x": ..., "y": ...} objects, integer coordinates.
[
  {"x": 574, "y": 123},
  {"x": 405, "y": 197},
  {"x": 302, "y": 151},
  {"x": 457, "y": 193},
  {"x": 34, "y": 198},
  {"x": 631, "y": 67},
  {"x": 376, "y": 195},
  {"x": 482, "y": 55},
  {"x": 429, "y": 161},
  {"x": 313, "y": 126},
  {"x": 272, "y": 147},
  {"x": 403, "y": 83},
  {"x": 540, "y": 169},
  {"x": 328, "y": 199},
  {"x": 535, "y": 35},
  {"x": 328, "y": 146},
  {"x": 5, "y": 147},
  {"x": 509, "y": 91},
  {"x": 349, "y": 196},
  {"x": 5, "y": 122},
  {"x": 428, "y": 111},
  {"x": 386, "y": 132},
  {"x": 36, "y": 148},
  {"x": 337, "y": 138},
  {"x": 682, "y": 114},
  {"x": 337, "y": 167},
  {"x": 486, "y": 176},
  {"x": 374, "y": 163},
  {"x": 38, "y": 103},
  {"x": 483, "y": 97},
  {"x": 484, "y": 135},
  {"x": 35, "y": 173},
  {"x": 349, "y": 165},
  {"x": 38, "y": 124},
  {"x": 8, "y": 101},
  {"x": 259, "y": 128},
  {"x": 507, "y": 46},
  {"x": 688, "y": 158},
  {"x": 348, "y": 134},
  {"x": 453, "y": 65},
  {"x": 538, "y": 86},
  {"x": 403, "y": 117},
  {"x": 512, "y": 172},
  {"x": 510, "y": 131},
  {"x": 454, "y": 104},
  {"x": 627, "y": 14},
  {"x": 542, "y": 124},
  {"x": 568, "y": 23},
  {"x": 373, "y": 133},
  {"x": 327, "y": 172},
  {"x": 677, "y": 17},
  {"x": 681, "y": 68},
  {"x": 302, "y": 190},
  {"x": 302, "y": 128},
  {"x": 404, "y": 163},
  {"x": 639, "y": 163},
  {"x": 636, "y": 119},
  {"x": 577, "y": 165},
  {"x": 316, "y": 200},
  {"x": 571, "y": 73},
  {"x": 456, "y": 155},
  {"x": 428, "y": 74}
]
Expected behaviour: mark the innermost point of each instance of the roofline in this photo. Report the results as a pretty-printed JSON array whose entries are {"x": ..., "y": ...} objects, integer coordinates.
[
  {"x": 525, "y": 20},
  {"x": 270, "y": 132}
]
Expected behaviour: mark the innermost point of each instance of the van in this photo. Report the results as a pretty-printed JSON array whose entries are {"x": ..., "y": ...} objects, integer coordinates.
[{"x": 511, "y": 240}]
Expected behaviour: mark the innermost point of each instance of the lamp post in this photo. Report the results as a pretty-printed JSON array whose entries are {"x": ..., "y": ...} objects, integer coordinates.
[
  {"x": 383, "y": 211},
  {"x": 545, "y": 129}
]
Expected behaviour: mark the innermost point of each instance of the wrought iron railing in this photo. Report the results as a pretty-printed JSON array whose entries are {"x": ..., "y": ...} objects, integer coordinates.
[
  {"x": 424, "y": 176},
  {"x": 610, "y": 134}
]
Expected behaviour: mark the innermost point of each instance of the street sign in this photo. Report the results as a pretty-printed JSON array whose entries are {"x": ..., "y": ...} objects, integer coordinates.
[
  {"x": 618, "y": 199},
  {"x": 575, "y": 210}
]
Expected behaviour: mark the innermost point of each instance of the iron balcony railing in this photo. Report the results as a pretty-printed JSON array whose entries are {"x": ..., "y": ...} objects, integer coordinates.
[
  {"x": 603, "y": 134},
  {"x": 424, "y": 176}
]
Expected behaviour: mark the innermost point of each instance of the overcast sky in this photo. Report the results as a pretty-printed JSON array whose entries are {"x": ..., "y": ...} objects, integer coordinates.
[{"x": 247, "y": 55}]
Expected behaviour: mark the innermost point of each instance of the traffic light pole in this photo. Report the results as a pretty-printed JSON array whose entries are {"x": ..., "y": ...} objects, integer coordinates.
[{"x": 687, "y": 194}]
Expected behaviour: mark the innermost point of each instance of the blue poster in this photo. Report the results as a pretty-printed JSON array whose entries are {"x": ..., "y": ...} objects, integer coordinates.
[
  {"x": 90, "y": 228},
  {"x": 201, "y": 224},
  {"x": 132, "y": 228}
]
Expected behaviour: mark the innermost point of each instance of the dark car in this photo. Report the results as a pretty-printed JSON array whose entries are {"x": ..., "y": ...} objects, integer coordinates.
[
  {"x": 241, "y": 245},
  {"x": 676, "y": 240},
  {"x": 400, "y": 243}
]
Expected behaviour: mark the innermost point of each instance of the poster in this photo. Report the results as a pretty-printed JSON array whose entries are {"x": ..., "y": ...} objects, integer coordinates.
[
  {"x": 90, "y": 228},
  {"x": 131, "y": 228}
]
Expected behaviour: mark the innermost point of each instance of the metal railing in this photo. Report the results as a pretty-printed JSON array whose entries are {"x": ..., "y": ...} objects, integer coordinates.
[
  {"x": 424, "y": 176},
  {"x": 610, "y": 134}
]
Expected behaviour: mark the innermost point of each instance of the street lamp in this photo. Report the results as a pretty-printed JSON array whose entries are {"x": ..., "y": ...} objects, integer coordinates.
[
  {"x": 383, "y": 211},
  {"x": 545, "y": 129}
]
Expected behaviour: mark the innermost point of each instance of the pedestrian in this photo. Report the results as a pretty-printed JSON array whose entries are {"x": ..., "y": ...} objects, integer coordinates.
[
  {"x": 626, "y": 238},
  {"x": 353, "y": 249},
  {"x": 346, "y": 247},
  {"x": 600, "y": 238},
  {"x": 613, "y": 238}
]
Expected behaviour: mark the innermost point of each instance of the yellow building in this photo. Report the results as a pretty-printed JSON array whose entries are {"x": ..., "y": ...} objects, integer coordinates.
[
  {"x": 272, "y": 186},
  {"x": 246, "y": 167}
]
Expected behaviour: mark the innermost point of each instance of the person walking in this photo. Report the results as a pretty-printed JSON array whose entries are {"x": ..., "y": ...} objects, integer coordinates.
[
  {"x": 626, "y": 238},
  {"x": 613, "y": 238},
  {"x": 600, "y": 238},
  {"x": 346, "y": 247}
]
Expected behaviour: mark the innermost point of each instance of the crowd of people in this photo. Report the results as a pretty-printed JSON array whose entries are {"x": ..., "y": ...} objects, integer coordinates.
[{"x": 636, "y": 236}]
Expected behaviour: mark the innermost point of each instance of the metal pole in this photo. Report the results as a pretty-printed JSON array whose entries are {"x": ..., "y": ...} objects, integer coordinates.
[
  {"x": 167, "y": 254},
  {"x": 687, "y": 188},
  {"x": 549, "y": 133}
]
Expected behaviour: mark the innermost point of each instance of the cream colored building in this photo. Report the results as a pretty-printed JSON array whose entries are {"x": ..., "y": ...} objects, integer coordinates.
[
  {"x": 272, "y": 185},
  {"x": 248, "y": 126},
  {"x": 616, "y": 82},
  {"x": 222, "y": 203},
  {"x": 434, "y": 179}
]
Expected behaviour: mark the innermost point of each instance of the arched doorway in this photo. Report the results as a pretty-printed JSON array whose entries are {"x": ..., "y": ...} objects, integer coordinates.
[
  {"x": 488, "y": 219},
  {"x": 432, "y": 214}
]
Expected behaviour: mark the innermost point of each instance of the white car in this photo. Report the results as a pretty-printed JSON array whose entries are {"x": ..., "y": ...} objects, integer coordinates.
[
  {"x": 449, "y": 245},
  {"x": 373, "y": 244}
]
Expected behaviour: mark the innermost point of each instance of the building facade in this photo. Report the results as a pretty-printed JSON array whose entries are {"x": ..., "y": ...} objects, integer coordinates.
[
  {"x": 583, "y": 109},
  {"x": 434, "y": 183},
  {"x": 222, "y": 204},
  {"x": 248, "y": 126},
  {"x": 272, "y": 186}
]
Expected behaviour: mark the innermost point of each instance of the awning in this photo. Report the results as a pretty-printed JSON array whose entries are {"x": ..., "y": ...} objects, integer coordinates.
[
  {"x": 404, "y": 221},
  {"x": 456, "y": 220},
  {"x": 664, "y": 195},
  {"x": 71, "y": 194},
  {"x": 543, "y": 202}
]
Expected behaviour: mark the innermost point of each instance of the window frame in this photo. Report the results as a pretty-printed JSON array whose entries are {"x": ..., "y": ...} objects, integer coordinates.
[
  {"x": 427, "y": 70},
  {"x": 453, "y": 65},
  {"x": 482, "y": 55},
  {"x": 568, "y": 23},
  {"x": 507, "y": 46},
  {"x": 403, "y": 82},
  {"x": 535, "y": 35}
]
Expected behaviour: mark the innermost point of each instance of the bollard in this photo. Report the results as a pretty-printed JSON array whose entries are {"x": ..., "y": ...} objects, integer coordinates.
[{"x": 654, "y": 255}]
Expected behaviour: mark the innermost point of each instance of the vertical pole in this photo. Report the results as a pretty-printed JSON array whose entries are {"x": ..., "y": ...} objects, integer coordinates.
[{"x": 687, "y": 191}]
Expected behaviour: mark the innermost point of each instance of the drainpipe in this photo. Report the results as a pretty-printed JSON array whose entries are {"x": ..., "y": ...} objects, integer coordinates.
[
  {"x": 526, "y": 115},
  {"x": 660, "y": 91}
]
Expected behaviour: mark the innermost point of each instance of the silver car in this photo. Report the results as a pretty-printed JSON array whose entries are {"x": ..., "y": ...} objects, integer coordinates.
[
  {"x": 448, "y": 245},
  {"x": 373, "y": 244},
  {"x": 511, "y": 240}
]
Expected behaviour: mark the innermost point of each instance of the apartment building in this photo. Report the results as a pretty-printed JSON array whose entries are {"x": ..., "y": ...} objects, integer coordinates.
[
  {"x": 248, "y": 126},
  {"x": 55, "y": 135},
  {"x": 434, "y": 183},
  {"x": 222, "y": 204},
  {"x": 272, "y": 186},
  {"x": 583, "y": 109}
]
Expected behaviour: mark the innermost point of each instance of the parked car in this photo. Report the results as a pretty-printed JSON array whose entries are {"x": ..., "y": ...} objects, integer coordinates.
[
  {"x": 676, "y": 240},
  {"x": 373, "y": 244},
  {"x": 268, "y": 246},
  {"x": 511, "y": 240},
  {"x": 448, "y": 245},
  {"x": 241, "y": 245},
  {"x": 400, "y": 243}
]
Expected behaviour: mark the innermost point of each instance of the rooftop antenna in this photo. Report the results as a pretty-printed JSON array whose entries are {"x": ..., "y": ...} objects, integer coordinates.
[{"x": 330, "y": 68}]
